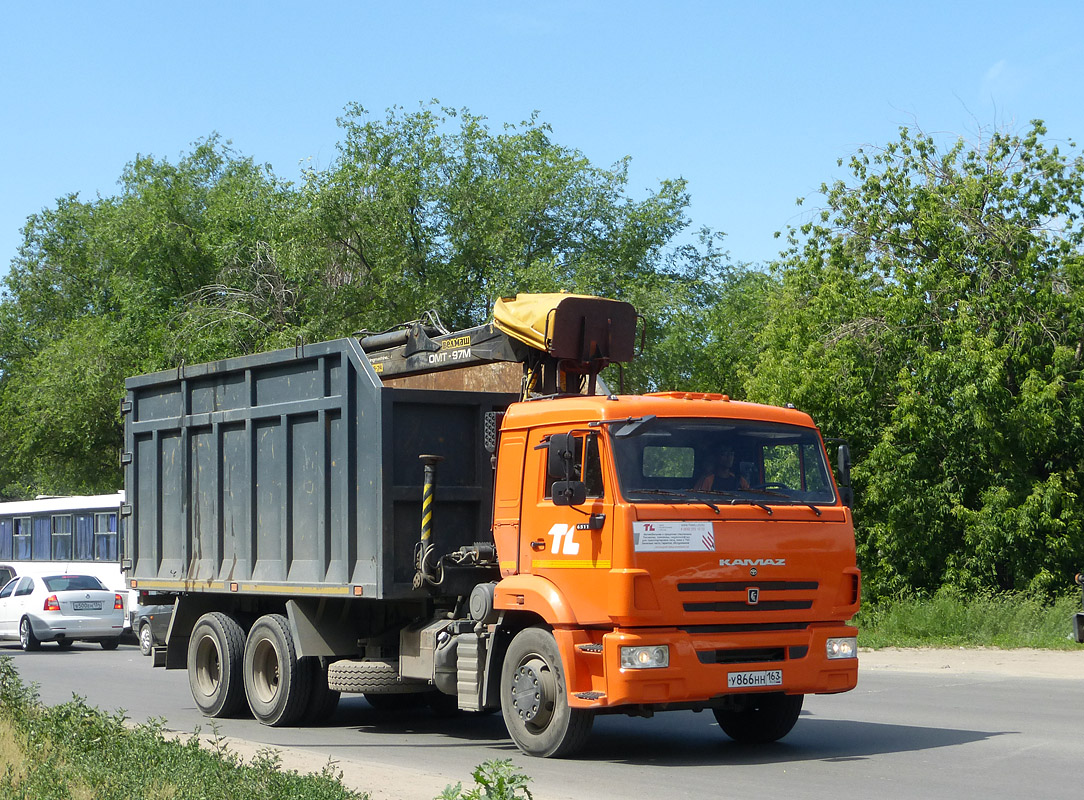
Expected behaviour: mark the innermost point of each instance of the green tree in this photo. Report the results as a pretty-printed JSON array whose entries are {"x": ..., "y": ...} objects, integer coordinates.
[
  {"x": 934, "y": 314},
  {"x": 702, "y": 316},
  {"x": 213, "y": 256},
  {"x": 432, "y": 209},
  {"x": 104, "y": 289}
]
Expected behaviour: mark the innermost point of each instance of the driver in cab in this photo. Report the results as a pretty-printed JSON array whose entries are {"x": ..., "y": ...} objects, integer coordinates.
[{"x": 718, "y": 474}]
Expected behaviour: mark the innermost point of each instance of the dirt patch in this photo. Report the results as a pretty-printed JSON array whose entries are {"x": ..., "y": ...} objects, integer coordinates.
[{"x": 1067, "y": 664}]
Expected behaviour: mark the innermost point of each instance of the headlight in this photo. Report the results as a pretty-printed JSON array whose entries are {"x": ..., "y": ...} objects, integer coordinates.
[
  {"x": 843, "y": 648},
  {"x": 652, "y": 657}
]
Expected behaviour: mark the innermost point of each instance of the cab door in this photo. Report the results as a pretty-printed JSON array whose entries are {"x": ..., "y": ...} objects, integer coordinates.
[{"x": 570, "y": 545}]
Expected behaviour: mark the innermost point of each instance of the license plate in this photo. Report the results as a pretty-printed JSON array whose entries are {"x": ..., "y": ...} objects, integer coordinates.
[
  {"x": 87, "y": 605},
  {"x": 749, "y": 680}
]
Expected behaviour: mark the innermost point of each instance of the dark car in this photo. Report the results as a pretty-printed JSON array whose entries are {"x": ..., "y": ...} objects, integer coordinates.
[
  {"x": 150, "y": 622},
  {"x": 1078, "y": 617}
]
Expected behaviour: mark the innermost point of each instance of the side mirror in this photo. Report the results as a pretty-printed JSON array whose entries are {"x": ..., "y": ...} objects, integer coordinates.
[
  {"x": 846, "y": 493},
  {"x": 844, "y": 463},
  {"x": 562, "y": 451},
  {"x": 569, "y": 493}
]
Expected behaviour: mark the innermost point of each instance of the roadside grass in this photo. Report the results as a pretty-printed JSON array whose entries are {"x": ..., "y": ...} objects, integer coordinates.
[
  {"x": 990, "y": 620},
  {"x": 75, "y": 752}
]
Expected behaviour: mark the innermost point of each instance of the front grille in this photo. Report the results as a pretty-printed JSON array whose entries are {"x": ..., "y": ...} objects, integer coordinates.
[
  {"x": 752, "y": 655},
  {"x": 744, "y": 627},
  {"x": 770, "y": 595},
  {"x": 741, "y": 586},
  {"x": 760, "y": 655},
  {"x": 763, "y": 605}
]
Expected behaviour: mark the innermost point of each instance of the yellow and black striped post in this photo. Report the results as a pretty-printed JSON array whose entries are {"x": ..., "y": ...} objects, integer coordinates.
[{"x": 429, "y": 482}]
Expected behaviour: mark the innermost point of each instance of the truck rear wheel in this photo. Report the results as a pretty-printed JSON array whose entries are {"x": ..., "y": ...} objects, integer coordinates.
[
  {"x": 534, "y": 698},
  {"x": 761, "y": 718},
  {"x": 276, "y": 684},
  {"x": 322, "y": 699},
  {"x": 215, "y": 653}
]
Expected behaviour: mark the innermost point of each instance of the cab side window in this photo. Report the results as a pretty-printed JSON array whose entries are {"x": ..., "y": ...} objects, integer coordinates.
[
  {"x": 26, "y": 586},
  {"x": 592, "y": 467},
  {"x": 7, "y": 590}
]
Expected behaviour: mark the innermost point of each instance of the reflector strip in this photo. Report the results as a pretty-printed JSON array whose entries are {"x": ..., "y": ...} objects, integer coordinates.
[{"x": 568, "y": 563}]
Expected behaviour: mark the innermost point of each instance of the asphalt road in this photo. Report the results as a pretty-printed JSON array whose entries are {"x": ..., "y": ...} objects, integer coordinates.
[{"x": 898, "y": 735}]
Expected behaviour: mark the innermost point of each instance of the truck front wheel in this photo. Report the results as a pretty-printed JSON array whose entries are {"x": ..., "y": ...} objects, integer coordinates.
[
  {"x": 760, "y": 718},
  {"x": 534, "y": 701},
  {"x": 215, "y": 651},
  {"x": 277, "y": 685}
]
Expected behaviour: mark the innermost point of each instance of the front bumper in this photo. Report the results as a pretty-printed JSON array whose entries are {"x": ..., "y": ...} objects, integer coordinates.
[{"x": 700, "y": 660}]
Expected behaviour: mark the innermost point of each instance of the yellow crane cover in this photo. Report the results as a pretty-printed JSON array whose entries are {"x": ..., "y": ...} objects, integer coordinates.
[{"x": 524, "y": 318}]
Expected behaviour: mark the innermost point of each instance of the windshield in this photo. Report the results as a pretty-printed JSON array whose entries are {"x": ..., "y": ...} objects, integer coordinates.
[{"x": 723, "y": 461}]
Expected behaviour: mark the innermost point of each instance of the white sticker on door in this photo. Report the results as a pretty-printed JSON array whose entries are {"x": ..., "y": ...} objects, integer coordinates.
[{"x": 658, "y": 537}]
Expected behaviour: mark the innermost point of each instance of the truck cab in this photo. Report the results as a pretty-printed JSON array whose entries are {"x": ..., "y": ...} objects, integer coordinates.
[{"x": 658, "y": 591}]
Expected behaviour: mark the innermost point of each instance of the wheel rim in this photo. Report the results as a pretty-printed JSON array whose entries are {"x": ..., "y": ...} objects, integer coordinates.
[
  {"x": 208, "y": 666},
  {"x": 265, "y": 670},
  {"x": 24, "y": 633},
  {"x": 534, "y": 690},
  {"x": 145, "y": 639}
]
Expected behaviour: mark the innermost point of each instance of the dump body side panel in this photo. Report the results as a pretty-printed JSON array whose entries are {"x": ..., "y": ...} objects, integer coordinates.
[{"x": 295, "y": 473}]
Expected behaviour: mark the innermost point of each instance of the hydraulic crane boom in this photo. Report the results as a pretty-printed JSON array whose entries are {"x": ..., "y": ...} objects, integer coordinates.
[{"x": 563, "y": 341}]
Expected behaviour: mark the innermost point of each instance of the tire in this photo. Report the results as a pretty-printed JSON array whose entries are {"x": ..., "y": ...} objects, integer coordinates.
[
  {"x": 65, "y": 644},
  {"x": 215, "y": 655},
  {"x": 276, "y": 684},
  {"x": 27, "y": 640},
  {"x": 764, "y": 718},
  {"x": 110, "y": 644},
  {"x": 146, "y": 639},
  {"x": 361, "y": 676},
  {"x": 534, "y": 698},
  {"x": 322, "y": 699}
]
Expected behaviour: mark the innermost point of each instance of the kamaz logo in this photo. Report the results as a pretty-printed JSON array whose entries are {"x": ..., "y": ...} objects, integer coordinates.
[{"x": 752, "y": 562}]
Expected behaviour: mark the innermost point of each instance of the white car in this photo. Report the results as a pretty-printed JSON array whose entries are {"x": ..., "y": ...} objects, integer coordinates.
[{"x": 60, "y": 608}]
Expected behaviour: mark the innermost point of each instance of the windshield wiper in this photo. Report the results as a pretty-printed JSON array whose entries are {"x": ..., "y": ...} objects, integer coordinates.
[
  {"x": 630, "y": 426},
  {"x": 770, "y": 493},
  {"x": 682, "y": 495},
  {"x": 748, "y": 501}
]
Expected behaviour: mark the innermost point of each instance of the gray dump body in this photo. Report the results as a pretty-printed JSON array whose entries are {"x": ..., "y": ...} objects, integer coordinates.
[{"x": 296, "y": 472}]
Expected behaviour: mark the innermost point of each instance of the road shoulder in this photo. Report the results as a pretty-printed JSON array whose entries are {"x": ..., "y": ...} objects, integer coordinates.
[{"x": 1063, "y": 664}]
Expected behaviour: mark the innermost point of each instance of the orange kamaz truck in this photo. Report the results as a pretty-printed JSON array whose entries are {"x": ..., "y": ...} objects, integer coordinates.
[{"x": 474, "y": 520}]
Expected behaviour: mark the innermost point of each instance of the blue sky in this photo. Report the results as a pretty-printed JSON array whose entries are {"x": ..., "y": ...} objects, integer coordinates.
[{"x": 752, "y": 103}]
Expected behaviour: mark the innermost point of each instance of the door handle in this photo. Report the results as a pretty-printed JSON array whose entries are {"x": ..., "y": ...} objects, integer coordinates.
[{"x": 592, "y": 524}]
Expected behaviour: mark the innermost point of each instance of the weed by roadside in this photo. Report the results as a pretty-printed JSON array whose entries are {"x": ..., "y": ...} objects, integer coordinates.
[
  {"x": 950, "y": 620},
  {"x": 75, "y": 752},
  {"x": 494, "y": 780}
]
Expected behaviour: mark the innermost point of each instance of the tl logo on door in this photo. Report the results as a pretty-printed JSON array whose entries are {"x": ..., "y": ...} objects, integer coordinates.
[
  {"x": 753, "y": 595},
  {"x": 562, "y": 538}
]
